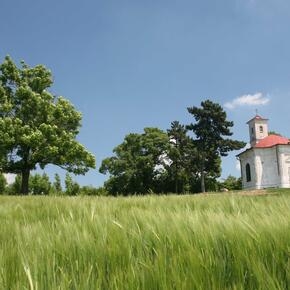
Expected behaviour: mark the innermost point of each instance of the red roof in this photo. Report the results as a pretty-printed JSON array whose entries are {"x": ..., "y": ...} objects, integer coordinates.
[{"x": 271, "y": 141}]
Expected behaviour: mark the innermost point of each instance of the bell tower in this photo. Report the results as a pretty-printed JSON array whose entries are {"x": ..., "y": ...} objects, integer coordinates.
[{"x": 258, "y": 129}]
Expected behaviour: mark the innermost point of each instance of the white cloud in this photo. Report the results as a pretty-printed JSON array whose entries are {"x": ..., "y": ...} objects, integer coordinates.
[
  {"x": 10, "y": 178},
  {"x": 248, "y": 100}
]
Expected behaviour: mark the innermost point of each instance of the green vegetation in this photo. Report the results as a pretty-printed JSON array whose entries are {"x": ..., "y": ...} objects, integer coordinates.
[
  {"x": 41, "y": 185},
  {"x": 173, "y": 162},
  {"x": 36, "y": 127},
  {"x": 148, "y": 242},
  {"x": 211, "y": 130},
  {"x": 133, "y": 169}
]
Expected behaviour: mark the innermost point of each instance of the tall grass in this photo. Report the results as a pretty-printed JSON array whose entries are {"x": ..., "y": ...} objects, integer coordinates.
[{"x": 165, "y": 242}]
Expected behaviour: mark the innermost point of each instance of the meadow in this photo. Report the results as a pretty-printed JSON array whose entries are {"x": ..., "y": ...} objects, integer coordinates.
[{"x": 211, "y": 241}]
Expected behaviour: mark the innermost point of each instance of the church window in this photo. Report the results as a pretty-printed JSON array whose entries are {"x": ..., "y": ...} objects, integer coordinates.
[
  {"x": 248, "y": 172},
  {"x": 261, "y": 129}
]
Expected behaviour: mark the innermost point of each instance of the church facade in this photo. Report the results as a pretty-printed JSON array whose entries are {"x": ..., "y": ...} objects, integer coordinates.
[{"x": 267, "y": 162}]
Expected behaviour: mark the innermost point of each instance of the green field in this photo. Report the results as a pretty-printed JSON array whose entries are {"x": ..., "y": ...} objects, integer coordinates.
[{"x": 218, "y": 241}]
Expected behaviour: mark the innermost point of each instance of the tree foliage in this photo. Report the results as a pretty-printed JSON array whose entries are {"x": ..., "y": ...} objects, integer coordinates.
[
  {"x": 71, "y": 187},
  {"x": 57, "y": 188},
  {"x": 3, "y": 183},
  {"x": 180, "y": 154},
  {"x": 39, "y": 184},
  {"x": 232, "y": 183},
  {"x": 176, "y": 162},
  {"x": 137, "y": 163},
  {"x": 36, "y": 127},
  {"x": 211, "y": 130}
]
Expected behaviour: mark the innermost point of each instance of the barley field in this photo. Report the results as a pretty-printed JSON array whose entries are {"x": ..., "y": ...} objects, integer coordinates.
[{"x": 212, "y": 241}]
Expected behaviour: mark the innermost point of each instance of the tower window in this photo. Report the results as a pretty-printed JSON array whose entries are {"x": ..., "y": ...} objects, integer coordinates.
[
  {"x": 261, "y": 129},
  {"x": 248, "y": 172}
]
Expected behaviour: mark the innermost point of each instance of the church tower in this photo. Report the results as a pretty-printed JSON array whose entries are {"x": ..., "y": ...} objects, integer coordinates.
[{"x": 258, "y": 129}]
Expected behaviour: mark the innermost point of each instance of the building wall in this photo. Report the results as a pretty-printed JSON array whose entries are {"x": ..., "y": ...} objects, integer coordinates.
[
  {"x": 248, "y": 157},
  {"x": 267, "y": 168},
  {"x": 283, "y": 152},
  {"x": 270, "y": 167}
]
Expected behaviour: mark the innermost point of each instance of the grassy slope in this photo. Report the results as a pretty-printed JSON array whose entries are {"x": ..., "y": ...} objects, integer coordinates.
[{"x": 168, "y": 242}]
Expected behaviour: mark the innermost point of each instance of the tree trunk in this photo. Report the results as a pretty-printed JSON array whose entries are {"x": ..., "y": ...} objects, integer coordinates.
[{"x": 25, "y": 180}]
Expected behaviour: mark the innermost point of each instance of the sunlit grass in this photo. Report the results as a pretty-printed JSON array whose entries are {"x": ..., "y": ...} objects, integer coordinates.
[{"x": 167, "y": 242}]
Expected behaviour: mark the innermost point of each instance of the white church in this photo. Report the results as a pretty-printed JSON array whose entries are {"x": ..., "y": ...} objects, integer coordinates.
[{"x": 267, "y": 162}]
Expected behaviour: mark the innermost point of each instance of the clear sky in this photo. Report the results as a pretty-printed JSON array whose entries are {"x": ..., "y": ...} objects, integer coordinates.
[{"x": 130, "y": 64}]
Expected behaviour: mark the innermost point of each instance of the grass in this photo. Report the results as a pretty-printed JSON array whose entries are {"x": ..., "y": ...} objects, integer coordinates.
[{"x": 220, "y": 241}]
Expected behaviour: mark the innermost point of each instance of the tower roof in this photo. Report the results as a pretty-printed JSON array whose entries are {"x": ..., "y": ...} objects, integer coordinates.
[
  {"x": 258, "y": 118},
  {"x": 271, "y": 141}
]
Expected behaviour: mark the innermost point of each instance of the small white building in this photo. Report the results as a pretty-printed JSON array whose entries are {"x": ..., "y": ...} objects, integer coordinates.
[{"x": 267, "y": 162}]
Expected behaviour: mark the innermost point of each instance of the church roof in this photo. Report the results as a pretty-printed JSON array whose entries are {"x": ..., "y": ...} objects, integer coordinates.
[
  {"x": 271, "y": 141},
  {"x": 257, "y": 117}
]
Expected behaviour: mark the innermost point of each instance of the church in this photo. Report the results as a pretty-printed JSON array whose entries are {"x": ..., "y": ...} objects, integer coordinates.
[{"x": 267, "y": 162}]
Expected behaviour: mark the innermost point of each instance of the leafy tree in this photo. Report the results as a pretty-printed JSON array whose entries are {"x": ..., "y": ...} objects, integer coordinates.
[
  {"x": 15, "y": 187},
  {"x": 178, "y": 153},
  {"x": 71, "y": 187},
  {"x": 37, "y": 128},
  {"x": 137, "y": 164},
  {"x": 57, "y": 184},
  {"x": 39, "y": 184},
  {"x": 232, "y": 183},
  {"x": 3, "y": 183},
  {"x": 211, "y": 129},
  {"x": 90, "y": 190}
]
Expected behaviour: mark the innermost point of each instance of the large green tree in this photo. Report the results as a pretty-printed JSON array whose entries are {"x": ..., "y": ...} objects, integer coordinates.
[
  {"x": 211, "y": 130},
  {"x": 36, "y": 127},
  {"x": 180, "y": 153},
  {"x": 137, "y": 164}
]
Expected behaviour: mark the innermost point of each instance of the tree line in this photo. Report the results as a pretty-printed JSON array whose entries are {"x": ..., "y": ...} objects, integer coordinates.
[
  {"x": 38, "y": 128},
  {"x": 40, "y": 184},
  {"x": 185, "y": 158}
]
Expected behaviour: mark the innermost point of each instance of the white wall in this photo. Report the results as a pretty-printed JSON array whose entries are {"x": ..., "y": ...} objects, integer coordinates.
[
  {"x": 267, "y": 171},
  {"x": 248, "y": 157},
  {"x": 264, "y": 168},
  {"x": 284, "y": 161}
]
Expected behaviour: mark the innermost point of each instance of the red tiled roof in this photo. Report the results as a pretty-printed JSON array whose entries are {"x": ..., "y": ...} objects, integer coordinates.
[{"x": 272, "y": 140}]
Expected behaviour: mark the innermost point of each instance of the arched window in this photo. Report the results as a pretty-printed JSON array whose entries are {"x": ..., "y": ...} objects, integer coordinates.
[
  {"x": 248, "y": 172},
  {"x": 261, "y": 129}
]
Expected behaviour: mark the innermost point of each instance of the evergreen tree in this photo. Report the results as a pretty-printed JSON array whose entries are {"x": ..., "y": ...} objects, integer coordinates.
[
  {"x": 71, "y": 187},
  {"x": 179, "y": 153},
  {"x": 210, "y": 130},
  {"x": 57, "y": 184}
]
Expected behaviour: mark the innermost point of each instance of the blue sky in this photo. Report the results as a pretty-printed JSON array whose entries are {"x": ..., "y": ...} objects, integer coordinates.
[{"x": 127, "y": 65}]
